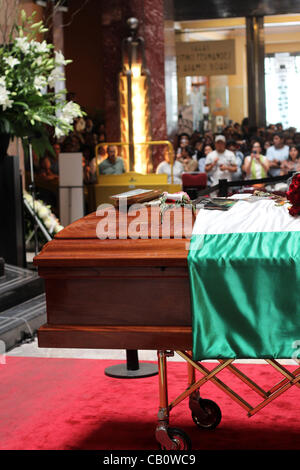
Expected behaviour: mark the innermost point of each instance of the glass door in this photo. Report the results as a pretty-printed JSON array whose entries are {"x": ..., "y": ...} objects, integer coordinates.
[{"x": 282, "y": 75}]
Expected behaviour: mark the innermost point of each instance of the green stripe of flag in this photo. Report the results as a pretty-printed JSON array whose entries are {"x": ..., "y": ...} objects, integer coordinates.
[{"x": 245, "y": 294}]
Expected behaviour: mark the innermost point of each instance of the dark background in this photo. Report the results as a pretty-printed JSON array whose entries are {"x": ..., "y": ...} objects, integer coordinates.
[{"x": 200, "y": 9}]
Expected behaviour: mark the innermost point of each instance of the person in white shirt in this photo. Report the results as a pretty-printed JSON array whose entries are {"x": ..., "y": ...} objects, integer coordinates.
[
  {"x": 221, "y": 163},
  {"x": 165, "y": 168},
  {"x": 276, "y": 154}
]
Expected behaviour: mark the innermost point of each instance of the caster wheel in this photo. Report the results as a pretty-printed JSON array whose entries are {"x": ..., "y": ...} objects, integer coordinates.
[
  {"x": 180, "y": 438},
  {"x": 209, "y": 416}
]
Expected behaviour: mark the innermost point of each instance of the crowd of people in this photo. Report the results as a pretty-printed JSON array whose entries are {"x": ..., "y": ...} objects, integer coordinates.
[
  {"x": 84, "y": 138},
  {"x": 237, "y": 152}
]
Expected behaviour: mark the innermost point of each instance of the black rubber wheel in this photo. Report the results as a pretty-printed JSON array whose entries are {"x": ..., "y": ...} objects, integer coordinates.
[
  {"x": 210, "y": 416},
  {"x": 181, "y": 439}
]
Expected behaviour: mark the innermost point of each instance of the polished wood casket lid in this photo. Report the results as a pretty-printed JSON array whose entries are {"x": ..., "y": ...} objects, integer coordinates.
[
  {"x": 118, "y": 292},
  {"x": 159, "y": 244}
]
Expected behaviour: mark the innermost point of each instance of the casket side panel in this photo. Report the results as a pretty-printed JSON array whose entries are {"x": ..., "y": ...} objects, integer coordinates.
[{"x": 145, "y": 296}]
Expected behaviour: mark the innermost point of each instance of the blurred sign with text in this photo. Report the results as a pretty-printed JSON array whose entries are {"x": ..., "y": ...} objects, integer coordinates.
[{"x": 205, "y": 58}]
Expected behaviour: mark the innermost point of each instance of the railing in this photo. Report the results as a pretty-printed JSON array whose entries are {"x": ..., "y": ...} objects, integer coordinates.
[
  {"x": 223, "y": 185},
  {"x": 127, "y": 144},
  {"x": 37, "y": 225}
]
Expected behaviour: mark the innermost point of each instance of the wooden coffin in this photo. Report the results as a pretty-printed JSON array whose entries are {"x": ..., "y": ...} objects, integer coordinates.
[{"x": 118, "y": 292}]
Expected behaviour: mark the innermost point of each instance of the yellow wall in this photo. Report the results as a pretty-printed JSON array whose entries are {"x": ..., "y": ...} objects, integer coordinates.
[
  {"x": 282, "y": 36},
  {"x": 282, "y": 47},
  {"x": 236, "y": 84},
  {"x": 238, "y": 100},
  {"x": 282, "y": 42}
]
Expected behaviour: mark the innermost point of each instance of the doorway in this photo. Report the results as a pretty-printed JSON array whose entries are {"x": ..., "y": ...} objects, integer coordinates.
[{"x": 282, "y": 77}]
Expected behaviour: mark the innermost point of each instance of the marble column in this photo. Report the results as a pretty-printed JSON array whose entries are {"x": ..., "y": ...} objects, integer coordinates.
[
  {"x": 170, "y": 70},
  {"x": 150, "y": 14},
  {"x": 256, "y": 71},
  {"x": 113, "y": 30}
]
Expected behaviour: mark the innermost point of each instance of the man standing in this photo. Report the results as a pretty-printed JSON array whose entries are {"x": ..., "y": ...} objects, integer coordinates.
[
  {"x": 112, "y": 165},
  {"x": 221, "y": 163},
  {"x": 234, "y": 147},
  {"x": 276, "y": 154}
]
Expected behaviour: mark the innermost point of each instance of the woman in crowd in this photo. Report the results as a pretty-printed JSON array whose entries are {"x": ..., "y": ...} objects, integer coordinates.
[
  {"x": 46, "y": 169},
  {"x": 189, "y": 164},
  {"x": 89, "y": 164},
  {"x": 207, "y": 149},
  {"x": 208, "y": 138},
  {"x": 183, "y": 141},
  {"x": 79, "y": 129},
  {"x": 256, "y": 165},
  {"x": 267, "y": 144},
  {"x": 201, "y": 163},
  {"x": 165, "y": 168},
  {"x": 293, "y": 162},
  {"x": 198, "y": 149}
]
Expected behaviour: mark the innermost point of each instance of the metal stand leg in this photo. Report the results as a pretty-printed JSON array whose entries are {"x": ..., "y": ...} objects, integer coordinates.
[
  {"x": 33, "y": 194},
  {"x": 163, "y": 414},
  {"x": 132, "y": 369},
  {"x": 161, "y": 432},
  {"x": 191, "y": 373},
  {"x": 168, "y": 438},
  {"x": 195, "y": 395}
]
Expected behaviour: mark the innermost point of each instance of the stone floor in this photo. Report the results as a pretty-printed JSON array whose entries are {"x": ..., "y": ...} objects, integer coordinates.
[{"x": 31, "y": 349}]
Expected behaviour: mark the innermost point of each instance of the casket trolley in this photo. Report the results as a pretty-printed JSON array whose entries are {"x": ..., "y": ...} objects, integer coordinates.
[{"x": 151, "y": 311}]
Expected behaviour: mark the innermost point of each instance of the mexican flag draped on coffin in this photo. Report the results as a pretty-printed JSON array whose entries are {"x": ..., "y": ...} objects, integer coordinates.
[{"x": 244, "y": 267}]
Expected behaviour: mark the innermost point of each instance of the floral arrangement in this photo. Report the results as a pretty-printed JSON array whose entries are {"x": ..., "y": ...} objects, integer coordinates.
[
  {"x": 44, "y": 213},
  {"x": 29, "y": 70},
  {"x": 293, "y": 195},
  {"x": 180, "y": 199}
]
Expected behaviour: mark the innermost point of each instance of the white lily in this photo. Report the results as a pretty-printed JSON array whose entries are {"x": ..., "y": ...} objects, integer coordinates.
[
  {"x": 70, "y": 111},
  {"x": 40, "y": 83},
  {"x": 54, "y": 76},
  {"x": 38, "y": 61},
  {"x": 59, "y": 58},
  {"x": 4, "y": 99},
  {"x": 23, "y": 44},
  {"x": 59, "y": 132},
  {"x": 11, "y": 61},
  {"x": 43, "y": 212},
  {"x": 40, "y": 47}
]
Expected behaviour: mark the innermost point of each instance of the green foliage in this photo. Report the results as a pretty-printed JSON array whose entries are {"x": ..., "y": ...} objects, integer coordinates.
[
  {"x": 29, "y": 70},
  {"x": 183, "y": 202}
]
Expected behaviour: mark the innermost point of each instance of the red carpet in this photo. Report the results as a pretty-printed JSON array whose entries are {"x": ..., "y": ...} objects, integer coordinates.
[{"x": 57, "y": 404}]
